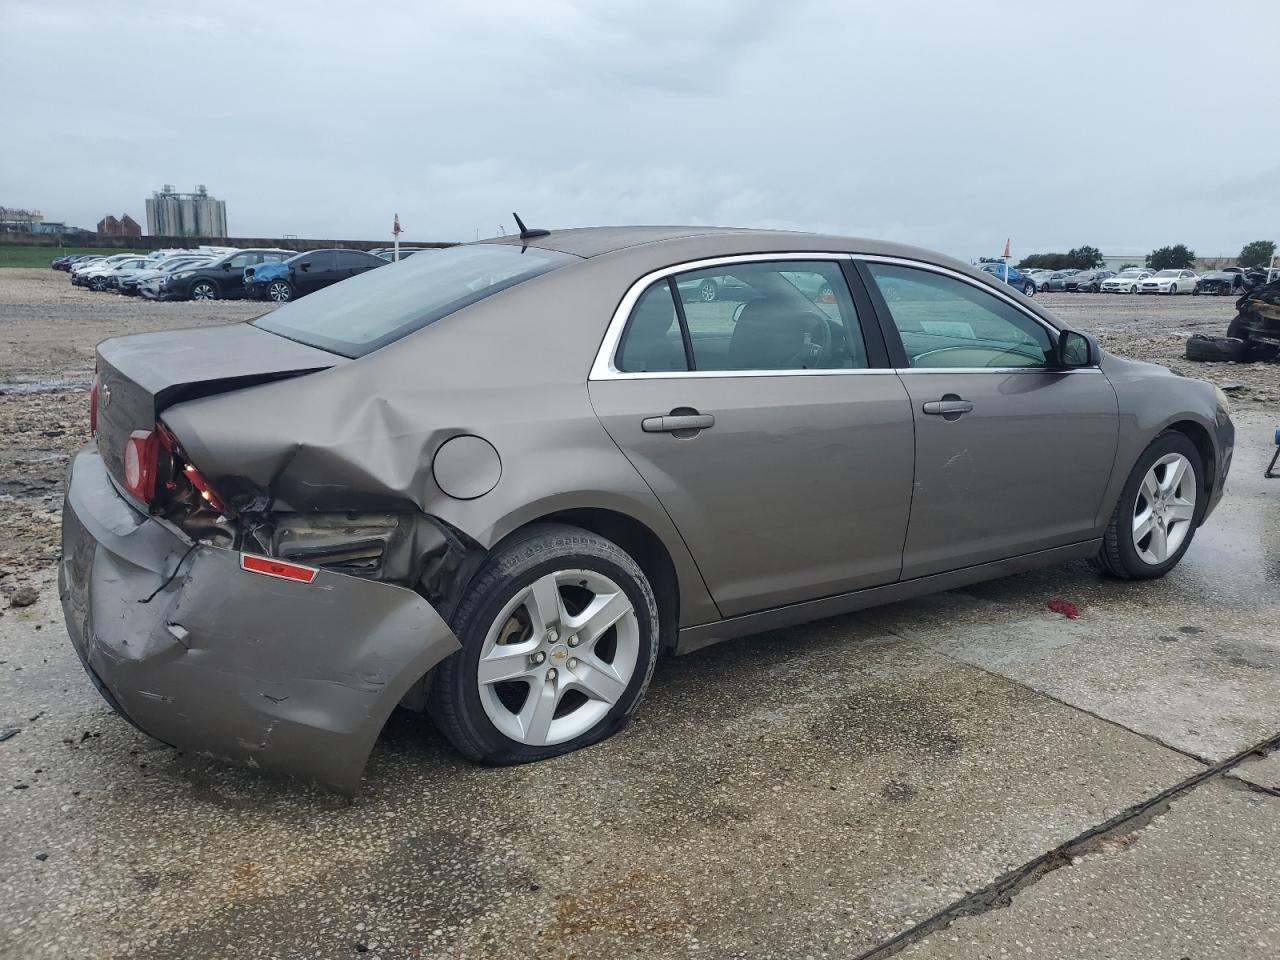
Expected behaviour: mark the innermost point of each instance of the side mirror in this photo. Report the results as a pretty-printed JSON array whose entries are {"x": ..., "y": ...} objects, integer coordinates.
[
  {"x": 227, "y": 265},
  {"x": 1077, "y": 349},
  {"x": 306, "y": 266}
]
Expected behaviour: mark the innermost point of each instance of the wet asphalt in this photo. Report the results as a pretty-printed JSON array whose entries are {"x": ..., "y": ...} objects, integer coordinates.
[{"x": 964, "y": 775}]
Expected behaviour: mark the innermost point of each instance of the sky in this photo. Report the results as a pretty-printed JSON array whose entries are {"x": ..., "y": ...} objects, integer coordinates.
[{"x": 949, "y": 125}]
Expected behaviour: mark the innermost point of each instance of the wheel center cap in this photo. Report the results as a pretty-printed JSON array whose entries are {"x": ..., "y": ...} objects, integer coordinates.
[{"x": 560, "y": 654}]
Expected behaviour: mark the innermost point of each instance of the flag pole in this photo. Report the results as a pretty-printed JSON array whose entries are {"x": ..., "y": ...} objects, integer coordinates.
[
  {"x": 395, "y": 232},
  {"x": 1006, "y": 261}
]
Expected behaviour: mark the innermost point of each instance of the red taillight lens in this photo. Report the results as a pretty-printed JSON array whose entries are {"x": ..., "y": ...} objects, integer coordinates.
[
  {"x": 141, "y": 451},
  {"x": 93, "y": 406}
]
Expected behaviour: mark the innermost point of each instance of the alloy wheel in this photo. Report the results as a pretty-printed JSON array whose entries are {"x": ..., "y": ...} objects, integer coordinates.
[
  {"x": 202, "y": 291},
  {"x": 1165, "y": 509},
  {"x": 707, "y": 290},
  {"x": 280, "y": 292},
  {"x": 558, "y": 657}
]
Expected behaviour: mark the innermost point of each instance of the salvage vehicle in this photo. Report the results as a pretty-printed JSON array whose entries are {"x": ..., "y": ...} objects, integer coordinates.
[
  {"x": 221, "y": 278},
  {"x": 1086, "y": 281},
  {"x": 1012, "y": 276},
  {"x": 1169, "y": 281},
  {"x": 1126, "y": 281},
  {"x": 82, "y": 273},
  {"x": 105, "y": 275},
  {"x": 1221, "y": 283},
  {"x": 133, "y": 284},
  {"x": 306, "y": 273},
  {"x": 494, "y": 483}
]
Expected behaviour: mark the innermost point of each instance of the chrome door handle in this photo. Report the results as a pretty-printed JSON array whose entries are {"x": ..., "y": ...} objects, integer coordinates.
[{"x": 675, "y": 422}]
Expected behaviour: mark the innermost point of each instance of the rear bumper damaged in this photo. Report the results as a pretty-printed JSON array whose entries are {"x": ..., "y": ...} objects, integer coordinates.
[{"x": 288, "y": 677}]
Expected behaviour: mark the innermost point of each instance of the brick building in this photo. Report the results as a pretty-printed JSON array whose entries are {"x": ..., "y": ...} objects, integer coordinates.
[{"x": 126, "y": 226}]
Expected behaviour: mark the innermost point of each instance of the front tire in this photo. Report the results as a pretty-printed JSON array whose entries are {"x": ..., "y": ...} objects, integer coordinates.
[
  {"x": 708, "y": 291},
  {"x": 280, "y": 291},
  {"x": 1161, "y": 506},
  {"x": 559, "y": 634},
  {"x": 204, "y": 290}
]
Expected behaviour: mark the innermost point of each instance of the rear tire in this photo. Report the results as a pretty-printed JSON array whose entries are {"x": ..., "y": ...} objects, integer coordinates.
[
  {"x": 534, "y": 595},
  {"x": 1130, "y": 546}
]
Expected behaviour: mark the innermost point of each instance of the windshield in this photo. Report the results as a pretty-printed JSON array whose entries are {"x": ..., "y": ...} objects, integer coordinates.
[
  {"x": 1167, "y": 273},
  {"x": 1131, "y": 273},
  {"x": 380, "y": 306}
]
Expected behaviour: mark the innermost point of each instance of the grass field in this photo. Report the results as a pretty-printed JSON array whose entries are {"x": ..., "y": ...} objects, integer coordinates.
[{"x": 24, "y": 256}]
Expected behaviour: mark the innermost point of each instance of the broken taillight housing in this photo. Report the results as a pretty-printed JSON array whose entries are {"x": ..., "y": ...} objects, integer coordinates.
[{"x": 141, "y": 453}]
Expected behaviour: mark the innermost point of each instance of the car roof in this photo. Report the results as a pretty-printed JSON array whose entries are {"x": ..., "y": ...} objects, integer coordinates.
[{"x": 714, "y": 241}]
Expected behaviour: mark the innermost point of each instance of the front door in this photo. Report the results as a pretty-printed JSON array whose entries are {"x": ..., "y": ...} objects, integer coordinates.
[
  {"x": 779, "y": 443},
  {"x": 1012, "y": 455}
]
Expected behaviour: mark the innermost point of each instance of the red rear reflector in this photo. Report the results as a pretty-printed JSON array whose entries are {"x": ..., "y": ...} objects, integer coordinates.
[
  {"x": 141, "y": 451},
  {"x": 93, "y": 406},
  {"x": 277, "y": 568}
]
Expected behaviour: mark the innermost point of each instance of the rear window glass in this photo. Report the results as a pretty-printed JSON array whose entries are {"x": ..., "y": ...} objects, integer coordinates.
[{"x": 368, "y": 311}]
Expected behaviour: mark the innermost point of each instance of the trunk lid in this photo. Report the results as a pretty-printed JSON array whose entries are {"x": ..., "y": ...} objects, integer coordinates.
[{"x": 139, "y": 376}]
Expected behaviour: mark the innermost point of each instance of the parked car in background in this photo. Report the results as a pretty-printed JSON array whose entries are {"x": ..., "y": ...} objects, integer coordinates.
[
  {"x": 1015, "y": 278},
  {"x": 81, "y": 271},
  {"x": 1086, "y": 281},
  {"x": 306, "y": 273},
  {"x": 388, "y": 253},
  {"x": 102, "y": 275},
  {"x": 132, "y": 285},
  {"x": 1126, "y": 281},
  {"x": 1221, "y": 283},
  {"x": 1170, "y": 281},
  {"x": 220, "y": 279},
  {"x": 497, "y": 481},
  {"x": 1058, "y": 279},
  {"x": 1040, "y": 276}
]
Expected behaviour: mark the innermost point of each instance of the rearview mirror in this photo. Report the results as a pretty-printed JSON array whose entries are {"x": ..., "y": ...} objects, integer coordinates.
[{"x": 1077, "y": 349}]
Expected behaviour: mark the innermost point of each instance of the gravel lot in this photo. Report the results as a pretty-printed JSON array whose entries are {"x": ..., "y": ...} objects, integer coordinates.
[{"x": 965, "y": 775}]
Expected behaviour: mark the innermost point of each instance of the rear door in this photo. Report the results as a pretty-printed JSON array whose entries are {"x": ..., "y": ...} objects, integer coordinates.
[
  {"x": 767, "y": 423},
  {"x": 1012, "y": 456}
]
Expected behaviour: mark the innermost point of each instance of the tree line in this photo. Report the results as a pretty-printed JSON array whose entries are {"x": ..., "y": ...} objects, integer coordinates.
[{"x": 1175, "y": 257}]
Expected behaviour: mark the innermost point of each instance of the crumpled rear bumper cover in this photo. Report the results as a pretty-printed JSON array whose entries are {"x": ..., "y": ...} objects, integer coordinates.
[{"x": 292, "y": 678}]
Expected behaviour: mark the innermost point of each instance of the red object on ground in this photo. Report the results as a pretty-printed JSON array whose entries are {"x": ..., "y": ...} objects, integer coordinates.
[{"x": 1065, "y": 607}]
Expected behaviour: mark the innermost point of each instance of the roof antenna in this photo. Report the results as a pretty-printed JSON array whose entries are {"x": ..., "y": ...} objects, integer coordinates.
[{"x": 525, "y": 232}]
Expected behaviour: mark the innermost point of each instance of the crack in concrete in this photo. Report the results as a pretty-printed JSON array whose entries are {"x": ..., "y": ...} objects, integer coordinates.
[{"x": 1119, "y": 830}]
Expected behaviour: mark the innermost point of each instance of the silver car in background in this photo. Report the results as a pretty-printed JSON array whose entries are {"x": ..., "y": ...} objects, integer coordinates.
[{"x": 495, "y": 483}]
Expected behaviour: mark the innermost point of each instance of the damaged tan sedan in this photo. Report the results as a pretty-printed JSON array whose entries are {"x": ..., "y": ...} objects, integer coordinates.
[{"x": 493, "y": 482}]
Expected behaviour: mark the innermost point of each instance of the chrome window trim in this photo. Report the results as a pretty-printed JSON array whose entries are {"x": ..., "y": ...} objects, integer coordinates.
[{"x": 603, "y": 367}]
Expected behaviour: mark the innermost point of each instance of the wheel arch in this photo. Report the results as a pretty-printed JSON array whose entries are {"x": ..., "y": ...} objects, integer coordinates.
[
  {"x": 643, "y": 545},
  {"x": 1199, "y": 435}
]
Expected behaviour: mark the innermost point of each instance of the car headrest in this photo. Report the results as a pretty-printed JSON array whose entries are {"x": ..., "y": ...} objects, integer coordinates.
[{"x": 767, "y": 336}]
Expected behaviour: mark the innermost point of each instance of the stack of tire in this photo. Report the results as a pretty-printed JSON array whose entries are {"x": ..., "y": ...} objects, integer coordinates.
[{"x": 1253, "y": 336}]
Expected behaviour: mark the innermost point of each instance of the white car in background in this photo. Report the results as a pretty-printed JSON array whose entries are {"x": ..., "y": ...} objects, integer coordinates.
[
  {"x": 1126, "y": 281},
  {"x": 1170, "y": 281},
  {"x": 104, "y": 275}
]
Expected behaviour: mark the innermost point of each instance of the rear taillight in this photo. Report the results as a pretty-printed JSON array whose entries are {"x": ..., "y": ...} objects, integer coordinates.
[
  {"x": 93, "y": 406},
  {"x": 141, "y": 453}
]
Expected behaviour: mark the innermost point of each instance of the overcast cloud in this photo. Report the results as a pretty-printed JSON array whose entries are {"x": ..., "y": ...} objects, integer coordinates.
[{"x": 950, "y": 125}]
